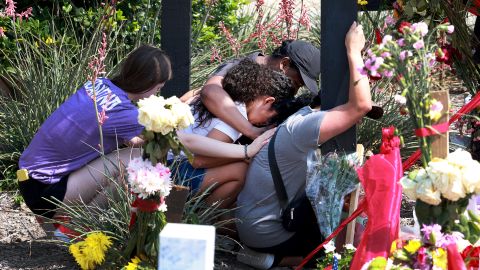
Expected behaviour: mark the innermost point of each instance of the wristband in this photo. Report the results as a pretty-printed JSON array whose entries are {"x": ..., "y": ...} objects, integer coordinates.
[{"x": 245, "y": 146}]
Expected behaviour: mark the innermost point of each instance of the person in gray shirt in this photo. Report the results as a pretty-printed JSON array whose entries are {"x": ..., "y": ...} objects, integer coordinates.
[{"x": 259, "y": 222}]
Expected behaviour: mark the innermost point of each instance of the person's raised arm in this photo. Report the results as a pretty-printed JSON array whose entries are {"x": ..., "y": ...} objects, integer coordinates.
[
  {"x": 222, "y": 106},
  {"x": 213, "y": 148},
  {"x": 342, "y": 117}
]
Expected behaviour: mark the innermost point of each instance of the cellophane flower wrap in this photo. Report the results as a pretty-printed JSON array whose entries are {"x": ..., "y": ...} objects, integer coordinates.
[
  {"x": 409, "y": 56},
  {"x": 149, "y": 178},
  {"x": 329, "y": 179}
]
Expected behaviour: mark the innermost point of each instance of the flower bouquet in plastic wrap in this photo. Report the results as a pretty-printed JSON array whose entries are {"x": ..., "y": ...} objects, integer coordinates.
[
  {"x": 149, "y": 178},
  {"x": 329, "y": 179}
]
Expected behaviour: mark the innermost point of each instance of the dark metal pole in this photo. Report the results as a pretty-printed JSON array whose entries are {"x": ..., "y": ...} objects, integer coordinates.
[
  {"x": 336, "y": 18},
  {"x": 176, "y": 18}
]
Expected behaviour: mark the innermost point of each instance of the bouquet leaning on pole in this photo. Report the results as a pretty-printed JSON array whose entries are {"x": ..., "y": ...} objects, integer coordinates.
[{"x": 149, "y": 177}]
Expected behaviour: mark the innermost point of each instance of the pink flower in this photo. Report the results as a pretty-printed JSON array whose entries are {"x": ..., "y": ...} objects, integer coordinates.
[
  {"x": 401, "y": 42},
  {"x": 450, "y": 29},
  {"x": 2, "y": 32},
  {"x": 387, "y": 73},
  {"x": 386, "y": 54},
  {"x": 431, "y": 59},
  {"x": 10, "y": 8},
  {"x": 400, "y": 99},
  {"x": 404, "y": 54},
  {"x": 419, "y": 44},
  {"x": 27, "y": 13},
  {"x": 215, "y": 55},
  {"x": 362, "y": 71},
  {"x": 421, "y": 28},
  {"x": 386, "y": 39},
  {"x": 389, "y": 20}
]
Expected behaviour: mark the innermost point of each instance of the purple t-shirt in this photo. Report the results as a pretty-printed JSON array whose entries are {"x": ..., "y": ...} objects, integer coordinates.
[{"x": 70, "y": 138}]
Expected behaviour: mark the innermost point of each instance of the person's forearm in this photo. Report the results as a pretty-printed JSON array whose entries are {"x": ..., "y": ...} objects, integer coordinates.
[
  {"x": 201, "y": 145},
  {"x": 359, "y": 89},
  {"x": 221, "y": 105},
  {"x": 200, "y": 161}
]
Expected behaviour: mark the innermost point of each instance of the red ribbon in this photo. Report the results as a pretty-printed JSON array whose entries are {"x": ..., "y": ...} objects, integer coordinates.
[
  {"x": 432, "y": 130},
  {"x": 360, "y": 209},
  {"x": 142, "y": 205},
  {"x": 474, "y": 103}
]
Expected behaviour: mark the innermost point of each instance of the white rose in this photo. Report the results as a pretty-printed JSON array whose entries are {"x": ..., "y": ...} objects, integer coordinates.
[
  {"x": 183, "y": 115},
  {"x": 426, "y": 192},
  {"x": 455, "y": 190},
  {"x": 471, "y": 177},
  {"x": 329, "y": 247},
  {"x": 459, "y": 158}
]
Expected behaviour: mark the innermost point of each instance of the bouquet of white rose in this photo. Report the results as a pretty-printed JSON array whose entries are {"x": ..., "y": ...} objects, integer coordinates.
[
  {"x": 149, "y": 179},
  {"x": 442, "y": 190},
  {"x": 162, "y": 118}
]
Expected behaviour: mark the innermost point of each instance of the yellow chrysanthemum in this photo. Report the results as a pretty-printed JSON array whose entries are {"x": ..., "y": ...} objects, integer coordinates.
[
  {"x": 440, "y": 258},
  {"x": 413, "y": 246},
  {"x": 77, "y": 250},
  {"x": 96, "y": 244},
  {"x": 362, "y": 2},
  {"x": 133, "y": 264}
]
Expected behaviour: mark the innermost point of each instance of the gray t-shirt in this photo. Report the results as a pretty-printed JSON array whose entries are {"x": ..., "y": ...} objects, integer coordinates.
[{"x": 259, "y": 222}]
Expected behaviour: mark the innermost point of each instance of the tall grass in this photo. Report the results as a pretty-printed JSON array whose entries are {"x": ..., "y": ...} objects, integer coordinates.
[{"x": 42, "y": 75}]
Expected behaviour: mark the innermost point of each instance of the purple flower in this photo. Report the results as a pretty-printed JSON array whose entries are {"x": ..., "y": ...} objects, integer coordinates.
[
  {"x": 419, "y": 44},
  {"x": 362, "y": 71},
  {"x": 429, "y": 230},
  {"x": 389, "y": 20},
  {"x": 448, "y": 239},
  {"x": 401, "y": 42}
]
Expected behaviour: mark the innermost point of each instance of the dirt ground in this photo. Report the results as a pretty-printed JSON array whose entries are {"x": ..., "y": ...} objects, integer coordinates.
[{"x": 23, "y": 243}]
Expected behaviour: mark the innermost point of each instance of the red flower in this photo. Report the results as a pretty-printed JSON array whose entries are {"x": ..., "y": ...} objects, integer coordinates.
[
  {"x": 471, "y": 254},
  {"x": 443, "y": 55},
  {"x": 402, "y": 25},
  {"x": 422, "y": 256},
  {"x": 378, "y": 36}
]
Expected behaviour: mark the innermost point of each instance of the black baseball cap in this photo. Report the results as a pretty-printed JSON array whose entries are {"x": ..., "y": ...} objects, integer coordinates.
[{"x": 306, "y": 58}]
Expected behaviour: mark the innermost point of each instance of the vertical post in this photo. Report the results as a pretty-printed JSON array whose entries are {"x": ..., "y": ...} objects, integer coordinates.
[
  {"x": 440, "y": 141},
  {"x": 336, "y": 18},
  {"x": 176, "y": 18}
]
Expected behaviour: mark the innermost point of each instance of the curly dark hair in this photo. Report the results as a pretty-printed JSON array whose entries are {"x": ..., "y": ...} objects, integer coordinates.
[{"x": 247, "y": 81}]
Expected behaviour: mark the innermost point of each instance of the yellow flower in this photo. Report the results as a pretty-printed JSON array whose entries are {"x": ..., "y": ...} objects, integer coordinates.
[
  {"x": 96, "y": 244},
  {"x": 362, "y": 2},
  {"x": 440, "y": 258},
  {"x": 49, "y": 40},
  {"x": 80, "y": 257},
  {"x": 133, "y": 264},
  {"x": 91, "y": 252},
  {"x": 413, "y": 246}
]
